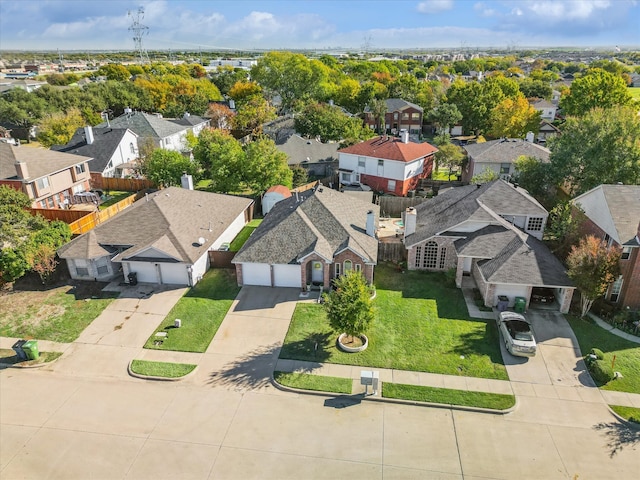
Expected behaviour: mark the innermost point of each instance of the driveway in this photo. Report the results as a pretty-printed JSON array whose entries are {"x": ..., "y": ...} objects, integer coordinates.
[{"x": 558, "y": 361}]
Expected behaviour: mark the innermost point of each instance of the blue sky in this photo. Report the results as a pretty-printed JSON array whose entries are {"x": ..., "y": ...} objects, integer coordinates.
[{"x": 319, "y": 24}]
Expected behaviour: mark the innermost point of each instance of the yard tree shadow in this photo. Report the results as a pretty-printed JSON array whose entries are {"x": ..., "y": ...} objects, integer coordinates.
[
  {"x": 313, "y": 348},
  {"x": 251, "y": 371},
  {"x": 619, "y": 436},
  {"x": 481, "y": 343}
]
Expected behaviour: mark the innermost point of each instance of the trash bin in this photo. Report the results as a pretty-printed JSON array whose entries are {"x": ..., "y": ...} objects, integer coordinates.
[
  {"x": 520, "y": 304},
  {"x": 133, "y": 278},
  {"x": 503, "y": 303},
  {"x": 17, "y": 347},
  {"x": 30, "y": 347}
]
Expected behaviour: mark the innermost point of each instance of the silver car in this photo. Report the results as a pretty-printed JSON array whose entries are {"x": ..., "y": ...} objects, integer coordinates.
[{"x": 517, "y": 334}]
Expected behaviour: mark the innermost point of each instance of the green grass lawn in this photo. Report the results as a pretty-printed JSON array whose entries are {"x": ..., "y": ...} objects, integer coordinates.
[
  {"x": 627, "y": 353},
  {"x": 242, "y": 237},
  {"x": 448, "y": 396},
  {"x": 422, "y": 324},
  {"x": 161, "y": 369},
  {"x": 443, "y": 174},
  {"x": 307, "y": 381},
  {"x": 201, "y": 310},
  {"x": 114, "y": 197},
  {"x": 635, "y": 92},
  {"x": 58, "y": 314},
  {"x": 629, "y": 413}
]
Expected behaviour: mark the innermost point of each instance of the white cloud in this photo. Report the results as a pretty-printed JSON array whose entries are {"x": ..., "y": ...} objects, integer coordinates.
[{"x": 435, "y": 6}]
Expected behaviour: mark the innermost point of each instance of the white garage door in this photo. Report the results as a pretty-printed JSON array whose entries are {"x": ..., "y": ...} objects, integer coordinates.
[
  {"x": 256, "y": 274},
  {"x": 286, "y": 276},
  {"x": 147, "y": 272},
  {"x": 174, "y": 273}
]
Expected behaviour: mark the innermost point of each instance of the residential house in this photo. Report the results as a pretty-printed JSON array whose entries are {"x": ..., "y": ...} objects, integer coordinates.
[
  {"x": 613, "y": 214},
  {"x": 546, "y": 131},
  {"x": 555, "y": 97},
  {"x": 162, "y": 133},
  {"x": 7, "y": 84},
  {"x": 194, "y": 123},
  {"x": 50, "y": 179},
  {"x": 400, "y": 115},
  {"x": 387, "y": 164},
  {"x": 310, "y": 238},
  {"x": 546, "y": 108},
  {"x": 500, "y": 156},
  {"x": 113, "y": 150},
  {"x": 272, "y": 196},
  {"x": 317, "y": 158},
  {"x": 491, "y": 235},
  {"x": 163, "y": 238}
]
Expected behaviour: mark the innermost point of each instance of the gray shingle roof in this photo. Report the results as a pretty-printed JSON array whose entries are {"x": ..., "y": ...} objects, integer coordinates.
[
  {"x": 190, "y": 120},
  {"x": 325, "y": 221},
  {"x": 106, "y": 141},
  {"x": 460, "y": 204},
  {"x": 40, "y": 162},
  {"x": 505, "y": 151},
  {"x": 146, "y": 125},
  {"x": 171, "y": 220},
  {"x": 300, "y": 149},
  {"x": 396, "y": 104}
]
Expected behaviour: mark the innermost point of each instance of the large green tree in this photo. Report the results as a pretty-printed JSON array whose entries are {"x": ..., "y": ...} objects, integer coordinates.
[
  {"x": 597, "y": 88},
  {"x": 593, "y": 267},
  {"x": 58, "y": 128},
  {"x": 329, "y": 123},
  {"x": 222, "y": 159},
  {"x": 603, "y": 146},
  {"x": 513, "y": 118},
  {"x": 449, "y": 156},
  {"x": 265, "y": 166},
  {"x": 165, "y": 167},
  {"x": 445, "y": 116}
]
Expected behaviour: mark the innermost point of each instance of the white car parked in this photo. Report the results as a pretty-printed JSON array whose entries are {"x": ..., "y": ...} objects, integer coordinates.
[{"x": 517, "y": 334}]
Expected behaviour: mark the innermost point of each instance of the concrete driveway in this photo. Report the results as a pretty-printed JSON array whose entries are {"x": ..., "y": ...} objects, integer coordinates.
[{"x": 558, "y": 361}]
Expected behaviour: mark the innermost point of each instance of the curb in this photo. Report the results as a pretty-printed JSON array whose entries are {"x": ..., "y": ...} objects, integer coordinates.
[
  {"x": 157, "y": 379},
  {"x": 36, "y": 365},
  {"x": 396, "y": 401},
  {"x": 624, "y": 421}
]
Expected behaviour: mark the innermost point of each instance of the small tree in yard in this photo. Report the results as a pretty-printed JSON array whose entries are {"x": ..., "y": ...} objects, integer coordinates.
[
  {"x": 593, "y": 267},
  {"x": 349, "y": 306}
]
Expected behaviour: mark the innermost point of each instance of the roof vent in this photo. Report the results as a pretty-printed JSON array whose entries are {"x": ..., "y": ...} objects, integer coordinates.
[{"x": 201, "y": 241}]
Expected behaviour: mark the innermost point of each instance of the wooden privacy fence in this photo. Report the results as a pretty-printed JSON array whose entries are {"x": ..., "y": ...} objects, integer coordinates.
[
  {"x": 394, "y": 206},
  {"x": 66, "y": 216},
  {"x": 220, "y": 259},
  {"x": 391, "y": 252},
  {"x": 123, "y": 184},
  {"x": 92, "y": 219}
]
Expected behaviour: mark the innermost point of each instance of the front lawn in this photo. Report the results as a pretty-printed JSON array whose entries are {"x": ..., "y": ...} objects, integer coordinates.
[
  {"x": 307, "y": 381},
  {"x": 243, "y": 236},
  {"x": 422, "y": 324},
  {"x": 58, "y": 314},
  {"x": 201, "y": 310},
  {"x": 448, "y": 396},
  {"x": 627, "y": 353},
  {"x": 631, "y": 414},
  {"x": 161, "y": 369}
]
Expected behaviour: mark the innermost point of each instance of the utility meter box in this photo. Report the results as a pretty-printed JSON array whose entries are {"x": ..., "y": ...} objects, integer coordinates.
[{"x": 369, "y": 377}]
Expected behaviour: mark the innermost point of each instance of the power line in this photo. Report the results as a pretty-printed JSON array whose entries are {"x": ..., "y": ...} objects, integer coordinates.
[{"x": 139, "y": 30}]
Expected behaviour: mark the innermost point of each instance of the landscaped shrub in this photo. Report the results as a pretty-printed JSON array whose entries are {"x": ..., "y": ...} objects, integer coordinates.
[
  {"x": 450, "y": 275},
  {"x": 601, "y": 371},
  {"x": 598, "y": 353}
]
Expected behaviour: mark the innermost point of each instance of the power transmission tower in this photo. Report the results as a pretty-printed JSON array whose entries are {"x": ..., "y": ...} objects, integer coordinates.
[{"x": 139, "y": 30}]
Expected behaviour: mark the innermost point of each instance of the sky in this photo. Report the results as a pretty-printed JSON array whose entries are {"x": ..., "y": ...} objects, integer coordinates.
[{"x": 319, "y": 24}]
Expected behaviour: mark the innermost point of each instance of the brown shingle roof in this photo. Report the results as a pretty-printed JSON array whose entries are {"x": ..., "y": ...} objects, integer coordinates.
[
  {"x": 391, "y": 148},
  {"x": 40, "y": 162}
]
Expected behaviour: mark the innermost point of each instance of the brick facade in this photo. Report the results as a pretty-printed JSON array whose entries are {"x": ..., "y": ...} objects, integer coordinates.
[
  {"x": 450, "y": 259},
  {"x": 381, "y": 184},
  {"x": 408, "y": 118},
  {"x": 367, "y": 270}
]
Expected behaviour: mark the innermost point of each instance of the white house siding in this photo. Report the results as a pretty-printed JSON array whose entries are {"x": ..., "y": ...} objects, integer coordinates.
[
  {"x": 92, "y": 269},
  {"x": 393, "y": 170},
  {"x": 199, "y": 268},
  {"x": 287, "y": 276},
  {"x": 146, "y": 271},
  {"x": 231, "y": 231},
  {"x": 256, "y": 274},
  {"x": 123, "y": 153}
]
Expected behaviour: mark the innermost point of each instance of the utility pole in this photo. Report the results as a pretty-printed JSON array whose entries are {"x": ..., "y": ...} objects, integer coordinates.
[{"x": 139, "y": 30}]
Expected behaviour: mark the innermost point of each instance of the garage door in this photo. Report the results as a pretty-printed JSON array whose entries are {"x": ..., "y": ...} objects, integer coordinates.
[
  {"x": 256, "y": 274},
  {"x": 174, "y": 273},
  {"x": 147, "y": 272},
  {"x": 286, "y": 276}
]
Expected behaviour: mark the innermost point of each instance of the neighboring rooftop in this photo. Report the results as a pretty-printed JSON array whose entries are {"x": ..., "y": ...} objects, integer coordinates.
[
  {"x": 145, "y": 125},
  {"x": 40, "y": 161},
  {"x": 391, "y": 148},
  {"x": 506, "y": 150},
  {"x": 301, "y": 150}
]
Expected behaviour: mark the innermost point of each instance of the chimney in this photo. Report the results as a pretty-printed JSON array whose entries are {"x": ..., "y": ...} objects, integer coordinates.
[
  {"x": 186, "y": 115},
  {"x": 529, "y": 137},
  {"x": 127, "y": 110},
  {"x": 404, "y": 135},
  {"x": 22, "y": 170},
  {"x": 371, "y": 223},
  {"x": 186, "y": 181},
  {"x": 232, "y": 104},
  {"x": 88, "y": 133},
  {"x": 409, "y": 221}
]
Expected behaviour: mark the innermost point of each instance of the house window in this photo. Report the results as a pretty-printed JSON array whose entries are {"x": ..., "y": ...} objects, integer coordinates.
[
  {"x": 102, "y": 266},
  {"x": 50, "y": 202},
  {"x": 616, "y": 288},
  {"x": 42, "y": 183},
  {"x": 361, "y": 162},
  {"x": 358, "y": 267},
  {"x": 346, "y": 177},
  {"x": 430, "y": 259},
  {"x": 505, "y": 168},
  {"x": 78, "y": 189},
  {"x": 348, "y": 266},
  {"x": 608, "y": 240},
  {"x": 80, "y": 169},
  {"x": 132, "y": 148},
  {"x": 391, "y": 185},
  {"x": 443, "y": 256},
  {"x": 535, "y": 224},
  {"x": 418, "y": 257},
  {"x": 82, "y": 271},
  {"x": 168, "y": 141},
  {"x": 405, "y": 116},
  {"x": 626, "y": 253},
  {"x": 380, "y": 162},
  {"x": 395, "y": 116},
  {"x": 337, "y": 270},
  {"x": 415, "y": 116}
]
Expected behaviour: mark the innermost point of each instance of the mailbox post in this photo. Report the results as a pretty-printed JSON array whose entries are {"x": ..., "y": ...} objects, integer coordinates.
[{"x": 369, "y": 377}]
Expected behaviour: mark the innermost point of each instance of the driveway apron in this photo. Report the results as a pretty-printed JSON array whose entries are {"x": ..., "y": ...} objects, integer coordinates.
[{"x": 558, "y": 361}]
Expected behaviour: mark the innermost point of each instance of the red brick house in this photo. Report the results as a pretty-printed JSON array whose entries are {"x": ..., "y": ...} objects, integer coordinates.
[
  {"x": 386, "y": 164},
  {"x": 400, "y": 115},
  {"x": 613, "y": 214}
]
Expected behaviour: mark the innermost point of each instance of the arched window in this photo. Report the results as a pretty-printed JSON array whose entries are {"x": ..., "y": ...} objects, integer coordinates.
[
  {"x": 348, "y": 266},
  {"x": 430, "y": 255},
  {"x": 443, "y": 257}
]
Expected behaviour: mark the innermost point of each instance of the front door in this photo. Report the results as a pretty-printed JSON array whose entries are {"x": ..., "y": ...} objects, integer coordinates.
[{"x": 317, "y": 274}]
